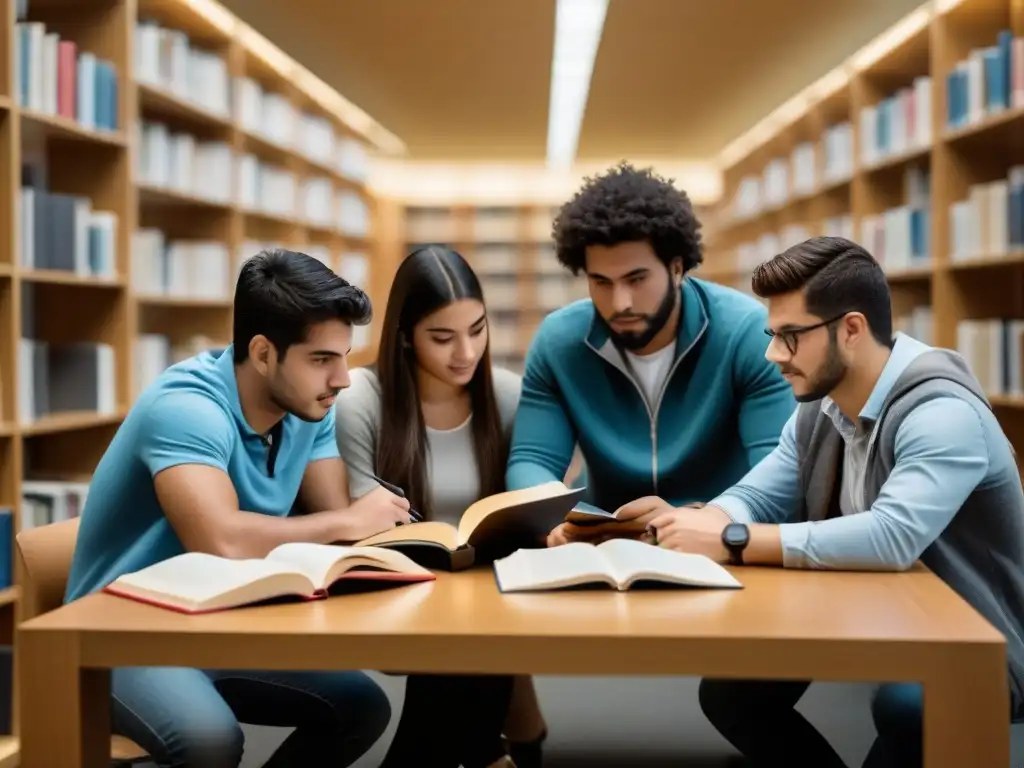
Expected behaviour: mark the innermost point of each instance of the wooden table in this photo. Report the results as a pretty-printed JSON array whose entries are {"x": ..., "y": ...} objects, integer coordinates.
[{"x": 802, "y": 625}]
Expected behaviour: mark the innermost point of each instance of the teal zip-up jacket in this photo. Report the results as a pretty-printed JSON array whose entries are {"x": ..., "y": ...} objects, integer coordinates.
[{"x": 721, "y": 410}]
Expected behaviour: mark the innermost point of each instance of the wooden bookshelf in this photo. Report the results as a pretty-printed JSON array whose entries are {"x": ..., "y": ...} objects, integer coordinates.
[
  {"x": 970, "y": 269},
  {"x": 116, "y": 306}
]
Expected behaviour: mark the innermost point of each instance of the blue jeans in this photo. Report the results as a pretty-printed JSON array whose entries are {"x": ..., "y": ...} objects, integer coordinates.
[
  {"x": 190, "y": 717},
  {"x": 758, "y": 717}
]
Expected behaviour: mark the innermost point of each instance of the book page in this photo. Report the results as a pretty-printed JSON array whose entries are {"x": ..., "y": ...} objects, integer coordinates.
[
  {"x": 324, "y": 563},
  {"x": 633, "y": 560},
  {"x": 430, "y": 531},
  {"x": 197, "y": 577},
  {"x": 567, "y": 565}
]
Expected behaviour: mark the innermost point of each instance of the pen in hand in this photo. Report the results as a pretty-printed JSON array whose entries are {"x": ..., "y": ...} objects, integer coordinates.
[{"x": 401, "y": 494}]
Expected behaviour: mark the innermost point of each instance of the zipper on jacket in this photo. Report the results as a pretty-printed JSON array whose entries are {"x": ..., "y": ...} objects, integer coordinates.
[
  {"x": 657, "y": 407},
  {"x": 652, "y": 414}
]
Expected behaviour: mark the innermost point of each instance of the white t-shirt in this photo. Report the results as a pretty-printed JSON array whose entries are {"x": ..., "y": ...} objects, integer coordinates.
[{"x": 652, "y": 370}]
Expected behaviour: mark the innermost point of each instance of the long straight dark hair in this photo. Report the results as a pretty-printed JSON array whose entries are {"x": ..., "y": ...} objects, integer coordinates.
[{"x": 428, "y": 279}]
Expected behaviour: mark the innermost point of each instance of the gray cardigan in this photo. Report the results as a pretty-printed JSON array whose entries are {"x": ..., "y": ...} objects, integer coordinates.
[{"x": 980, "y": 554}]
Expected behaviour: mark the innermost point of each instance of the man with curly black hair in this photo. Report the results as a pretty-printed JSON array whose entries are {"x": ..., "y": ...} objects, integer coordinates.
[{"x": 660, "y": 378}]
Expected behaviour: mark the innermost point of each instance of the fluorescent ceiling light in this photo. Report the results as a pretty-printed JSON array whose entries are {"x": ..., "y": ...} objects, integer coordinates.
[{"x": 578, "y": 27}]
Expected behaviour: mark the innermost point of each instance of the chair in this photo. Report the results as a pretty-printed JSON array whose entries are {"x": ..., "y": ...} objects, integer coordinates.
[{"x": 43, "y": 561}]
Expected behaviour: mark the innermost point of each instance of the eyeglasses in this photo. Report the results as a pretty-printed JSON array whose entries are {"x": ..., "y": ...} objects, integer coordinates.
[{"x": 791, "y": 336}]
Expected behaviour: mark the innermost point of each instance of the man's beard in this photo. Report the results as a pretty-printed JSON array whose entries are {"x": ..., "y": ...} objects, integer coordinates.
[
  {"x": 634, "y": 340},
  {"x": 281, "y": 399},
  {"x": 829, "y": 375}
]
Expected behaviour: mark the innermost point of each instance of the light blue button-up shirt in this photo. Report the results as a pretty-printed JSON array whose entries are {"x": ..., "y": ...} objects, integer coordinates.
[{"x": 944, "y": 449}]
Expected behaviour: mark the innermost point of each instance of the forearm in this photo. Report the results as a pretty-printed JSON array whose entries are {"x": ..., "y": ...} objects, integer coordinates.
[
  {"x": 253, "y": 534},
  {"x": 765, "y": 546},
  {"x": 850, "y": 543},
  {"x": 525, "y": 474},
  {"x": 857, "y": 542}
]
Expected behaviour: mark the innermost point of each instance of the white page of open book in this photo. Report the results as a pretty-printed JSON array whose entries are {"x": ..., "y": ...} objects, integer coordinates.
[
  {"x": 566, "y": 565},
  {"x": 318, "y": 560},
  {"x": 198, "y": 577},
  {"x": 631, "y": 560}
]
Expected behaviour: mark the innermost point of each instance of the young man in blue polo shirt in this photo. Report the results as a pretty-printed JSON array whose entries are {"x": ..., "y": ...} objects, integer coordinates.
[
  {"x": 213, "y": 457},
  {"x": 660, "y": 377}
]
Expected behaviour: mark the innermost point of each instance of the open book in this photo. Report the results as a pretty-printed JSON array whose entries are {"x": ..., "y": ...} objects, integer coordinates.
[
  {"x": 619, "y": 563},
  {"x": 196, "y": 582},
  {"x": 490, "y": 528}
]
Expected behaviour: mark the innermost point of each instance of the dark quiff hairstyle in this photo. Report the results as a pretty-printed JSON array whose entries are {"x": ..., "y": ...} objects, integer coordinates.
[
  {"x": 427, "y": 280},
  {"x": 628, "y": 205},
  {"x": 837, "y": 276},
  {"x": 280, "y": 294}
]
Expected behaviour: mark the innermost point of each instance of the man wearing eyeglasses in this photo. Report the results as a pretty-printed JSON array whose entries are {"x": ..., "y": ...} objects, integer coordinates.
[{"x": 893, "y": 455}]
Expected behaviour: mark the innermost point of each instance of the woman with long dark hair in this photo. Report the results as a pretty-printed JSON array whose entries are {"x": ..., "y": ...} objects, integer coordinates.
[{"x": 433, "y": 417}]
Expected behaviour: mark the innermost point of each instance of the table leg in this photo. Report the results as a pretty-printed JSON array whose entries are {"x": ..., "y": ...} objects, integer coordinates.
[
  {"x": 65, "y": 710},
  {"x": 967, "y": 712}
]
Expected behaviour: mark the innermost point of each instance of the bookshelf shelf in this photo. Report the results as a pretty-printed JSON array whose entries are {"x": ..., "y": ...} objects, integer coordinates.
[
  {"x": 56, "y": 127},
  {"x": 68, "y": 422},
  {"x": 57, "y": 277},
  {"x": 158, "y": 103},
  {"x": 123, "y": 128},
  {"x": 936, "y": 190}
]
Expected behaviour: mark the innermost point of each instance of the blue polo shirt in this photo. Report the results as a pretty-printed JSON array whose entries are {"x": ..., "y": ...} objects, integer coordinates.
[{"x": 189, "y": 415}]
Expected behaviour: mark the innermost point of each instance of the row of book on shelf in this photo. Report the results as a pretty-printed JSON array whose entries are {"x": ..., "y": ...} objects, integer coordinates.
[
  {"x": 988, "y": 223},
  {"x": 211, "y": 170},
  {"x": 166, "y": 59},
  {"x": 60, "y": 231},
  {"x": 899, "y": 237},
  {"x": 53, "y": 76},
  {"x": 205, "y": 269},
  {"x": 989, "y": 81}
]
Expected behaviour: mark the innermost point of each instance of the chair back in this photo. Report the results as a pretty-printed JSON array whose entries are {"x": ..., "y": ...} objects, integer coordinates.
[{"x": 43, "y": 562}]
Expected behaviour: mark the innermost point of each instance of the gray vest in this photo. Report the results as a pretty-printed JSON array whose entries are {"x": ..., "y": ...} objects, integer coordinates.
[{"x": 980, "y": 554}]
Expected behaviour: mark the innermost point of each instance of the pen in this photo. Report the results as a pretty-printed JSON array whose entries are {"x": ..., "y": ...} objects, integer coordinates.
[{"x": 401, "y": 494}]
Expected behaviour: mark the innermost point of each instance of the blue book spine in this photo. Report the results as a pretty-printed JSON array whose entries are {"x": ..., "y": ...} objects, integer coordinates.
[
  {"x": 23, "y": 60},
  {"x": 6, "y": 548},
  {"x": 114, "y": 122},
  {"x": 1015, "y": 203}
]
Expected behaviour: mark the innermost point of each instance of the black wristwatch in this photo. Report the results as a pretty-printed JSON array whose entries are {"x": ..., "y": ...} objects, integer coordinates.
[{"x": 735, "y": 537}]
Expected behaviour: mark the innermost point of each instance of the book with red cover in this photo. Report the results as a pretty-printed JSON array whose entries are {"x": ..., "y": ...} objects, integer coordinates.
[{"x": 197, "y": 582}]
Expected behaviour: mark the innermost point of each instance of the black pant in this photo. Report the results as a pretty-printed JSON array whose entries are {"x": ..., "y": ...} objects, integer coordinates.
[
  {"x": 451, "y": 720},
  {"x": 758, "y": 717}
]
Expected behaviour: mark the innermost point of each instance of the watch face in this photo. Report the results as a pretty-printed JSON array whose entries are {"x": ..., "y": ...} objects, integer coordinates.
[{"x": 735, "y": 535}]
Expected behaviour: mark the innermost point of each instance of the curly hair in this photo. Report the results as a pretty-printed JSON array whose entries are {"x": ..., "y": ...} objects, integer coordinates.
[{"x": 628, "y": 205}]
